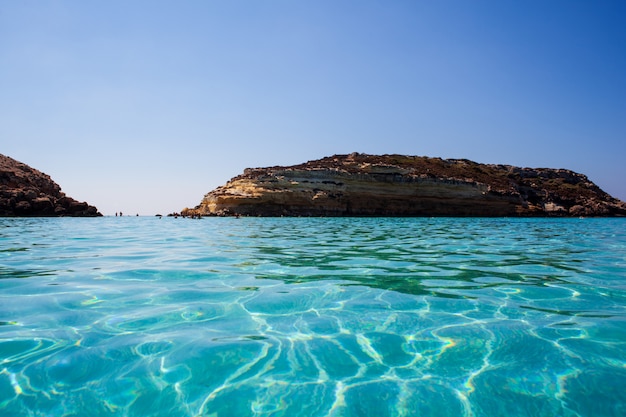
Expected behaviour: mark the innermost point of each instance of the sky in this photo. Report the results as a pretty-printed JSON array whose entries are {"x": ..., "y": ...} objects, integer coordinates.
[{"x": 144, "y": 106}]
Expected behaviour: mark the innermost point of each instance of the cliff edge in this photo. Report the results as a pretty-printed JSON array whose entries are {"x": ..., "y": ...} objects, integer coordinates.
[
  {"x": 399, "y": 185},
  {"x": 24, "y": 191}
]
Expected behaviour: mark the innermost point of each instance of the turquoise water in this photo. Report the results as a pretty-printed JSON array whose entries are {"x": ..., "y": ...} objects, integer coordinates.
[{"x": 312, "y": 317}]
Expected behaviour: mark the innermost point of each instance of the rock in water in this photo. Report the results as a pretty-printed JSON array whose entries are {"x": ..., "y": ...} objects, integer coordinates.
[
  {"x": 24, "y": 191},
  {"x": 398, "y": 185}
]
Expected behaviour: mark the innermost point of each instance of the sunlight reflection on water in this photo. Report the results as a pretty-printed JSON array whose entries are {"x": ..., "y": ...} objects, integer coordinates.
[{"x": 313, "y": 317}]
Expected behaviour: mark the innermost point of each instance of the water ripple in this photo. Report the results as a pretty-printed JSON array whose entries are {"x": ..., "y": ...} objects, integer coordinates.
[{"x": 313, "y": 317}]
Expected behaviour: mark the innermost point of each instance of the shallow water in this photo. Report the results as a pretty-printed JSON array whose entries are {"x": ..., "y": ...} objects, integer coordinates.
[{"x": 312, "y": 317}]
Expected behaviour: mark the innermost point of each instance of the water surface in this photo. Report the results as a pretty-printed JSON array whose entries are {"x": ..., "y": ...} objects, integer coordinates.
[{"x": 312, "y": 317}]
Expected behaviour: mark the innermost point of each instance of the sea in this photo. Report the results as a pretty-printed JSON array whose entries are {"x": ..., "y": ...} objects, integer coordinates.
[{"x": 149, "y": 316}]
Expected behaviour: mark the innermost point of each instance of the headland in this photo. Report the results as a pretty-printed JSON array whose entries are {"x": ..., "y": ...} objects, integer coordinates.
[
  {"x": 27, "y": 192},
  {"x": 399, "y": 185}
]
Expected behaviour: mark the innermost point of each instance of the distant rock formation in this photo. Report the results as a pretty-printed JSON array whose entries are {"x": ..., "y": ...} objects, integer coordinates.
[
  {"x": 24, "y": 191},
  {"x": 398, "y": 185}
]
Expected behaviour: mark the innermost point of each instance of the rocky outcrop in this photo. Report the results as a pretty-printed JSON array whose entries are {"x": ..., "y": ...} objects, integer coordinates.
[
  {"x": 397, "y": 185},
  {"x": 24, "y": 191}
]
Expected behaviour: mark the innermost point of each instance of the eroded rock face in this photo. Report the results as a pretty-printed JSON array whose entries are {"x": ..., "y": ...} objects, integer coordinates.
[
  {"x": 25, "y": 191},
  {"x": 398, "y": 185}
]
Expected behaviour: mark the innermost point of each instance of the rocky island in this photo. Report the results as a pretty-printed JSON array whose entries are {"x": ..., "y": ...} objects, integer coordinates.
[
  {"x": 398, "y": 185},
  {"x": 25, "y": 191}
]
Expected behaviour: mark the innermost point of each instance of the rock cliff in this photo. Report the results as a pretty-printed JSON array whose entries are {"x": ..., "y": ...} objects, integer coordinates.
[
  {"x": 24, "y": 191},
  {"x": 398, "y": 185}
]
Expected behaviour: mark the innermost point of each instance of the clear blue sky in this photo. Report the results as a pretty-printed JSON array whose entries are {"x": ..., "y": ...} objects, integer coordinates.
[{"x": 145, "y": 106}]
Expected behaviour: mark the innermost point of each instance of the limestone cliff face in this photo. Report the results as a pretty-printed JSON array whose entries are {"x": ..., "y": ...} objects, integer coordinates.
[
  {"x": 24, "y": 191},
  {"x": 397, "y": 185}
]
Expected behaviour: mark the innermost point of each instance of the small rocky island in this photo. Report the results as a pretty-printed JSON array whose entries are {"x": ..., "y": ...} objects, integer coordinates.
[
  {"x": 25, "y": 191},
  {"x": 398, "y": 185}
]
